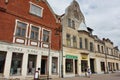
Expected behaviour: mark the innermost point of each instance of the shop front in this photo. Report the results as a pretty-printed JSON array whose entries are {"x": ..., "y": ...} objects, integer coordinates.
[{"x": 71, "y": 65}]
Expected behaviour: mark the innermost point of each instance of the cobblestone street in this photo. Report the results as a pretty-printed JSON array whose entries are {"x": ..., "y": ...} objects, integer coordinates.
[{"x": 112, "y": 76}]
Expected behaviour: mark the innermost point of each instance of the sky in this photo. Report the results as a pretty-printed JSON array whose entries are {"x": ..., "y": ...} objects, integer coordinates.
[{"x": 103, "y": 16}]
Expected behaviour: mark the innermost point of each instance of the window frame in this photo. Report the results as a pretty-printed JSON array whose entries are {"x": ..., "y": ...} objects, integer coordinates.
[
  {"x": 41, "y": 15},
  {"x": 15, "y": 30},
  {"x": 49, "y": 35},
  {"x": 39, "y": 31}
]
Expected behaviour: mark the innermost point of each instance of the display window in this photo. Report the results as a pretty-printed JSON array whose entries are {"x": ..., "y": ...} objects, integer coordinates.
[
  {"x": 31, "y": 64},
  {"x": 16, "y": 64},
  {"x": 54, "y": 65},
  {"x": 69, "y": 65}
]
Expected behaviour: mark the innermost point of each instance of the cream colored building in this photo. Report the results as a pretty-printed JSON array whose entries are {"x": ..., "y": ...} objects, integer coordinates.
[{"x": 81, "y": 48}]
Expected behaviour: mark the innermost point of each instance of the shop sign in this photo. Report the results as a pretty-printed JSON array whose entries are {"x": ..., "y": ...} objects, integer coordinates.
[
  {"x": 71, "y": 57},
  {"x": 84, "y": 56}
]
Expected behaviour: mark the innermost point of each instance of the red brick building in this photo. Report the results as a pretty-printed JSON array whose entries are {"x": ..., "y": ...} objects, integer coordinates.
[{"x": 28, "y": 38}]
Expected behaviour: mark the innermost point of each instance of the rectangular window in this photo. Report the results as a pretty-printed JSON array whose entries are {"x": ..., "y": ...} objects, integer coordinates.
[
  {"x": 69, "y": 22},
  {"x": 74, "y": 42},
  {"x": 36, "y": 10},
  {"x": 21, "y": 29},
  {"x": 46, "y": 36},
  {"x": 84, "y": 64},
  {"x": 91, "y": 46},
  {"x": 81, "y": 43},
  {"x": 98, "y": 48},
  {"x": 31, "y": 64},
  {"x": 68, "y": 40},
  {"x": 34, "y": 33},
  {"x": 54, "y": 65},
  {"x": 102, "y": 66},
  {"x": 16, "y": 64},
  {"x": 73, "y": 24},
  {"x": 86, "y": 44},
  {"x": 69, "y": 65},
  {"x": 102, "y": 49}
]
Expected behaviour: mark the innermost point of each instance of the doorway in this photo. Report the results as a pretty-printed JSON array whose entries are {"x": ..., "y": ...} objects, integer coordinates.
[
  {"x": 2, "y": 61},
  {"x": 44, "y": 65},
  {"x": 76, "y": 71},
  {"x": 92, "y": 65}
]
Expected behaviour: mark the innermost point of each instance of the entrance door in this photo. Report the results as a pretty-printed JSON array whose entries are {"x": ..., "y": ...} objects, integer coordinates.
[
  {"x": 92, "y": 65},
  {"x": 2, "y": 61},
  {"x": 76, "y": 71},
  {"x": 44, "y": 65}
]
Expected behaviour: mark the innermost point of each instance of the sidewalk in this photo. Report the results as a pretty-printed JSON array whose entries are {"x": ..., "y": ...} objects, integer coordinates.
[{"x": 111, "y": 76}]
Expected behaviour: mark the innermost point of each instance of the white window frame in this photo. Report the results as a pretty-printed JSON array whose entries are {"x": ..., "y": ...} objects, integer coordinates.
[
  {"x": 31, "y": 3},
  {"x": 38, "y": 30},
  {"x": 49, "y": 34},
  {"x": 16, "y": 29}
]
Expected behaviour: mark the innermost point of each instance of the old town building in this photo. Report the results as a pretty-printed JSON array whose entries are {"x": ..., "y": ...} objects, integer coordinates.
[
  {"x": 82, "y": 49},
  {"x": 27, "y": 39}
]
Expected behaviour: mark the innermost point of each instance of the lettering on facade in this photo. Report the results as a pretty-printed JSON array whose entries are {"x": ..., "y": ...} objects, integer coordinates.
[
  {"x": 14, "y": 49},
  {"x": 32, "y": 51}
]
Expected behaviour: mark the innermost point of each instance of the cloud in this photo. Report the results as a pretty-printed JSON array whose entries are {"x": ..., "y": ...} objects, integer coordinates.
[{"x": 101, "y": 15}]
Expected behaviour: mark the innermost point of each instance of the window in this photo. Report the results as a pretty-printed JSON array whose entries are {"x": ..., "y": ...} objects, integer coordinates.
[
  {"x": 84, "y": 64},
  {"x": 31, "y": 64},
  {"x": 86, "y": 44},
  {"x": 102, "y": 66},
  {"x": 80, "y": 43},
  {"x": 46, "y": 36},
  {"x": 69, "y": 65},
  {"x": 68, "y": 40},
  {"x": 71, "y": 23},
  {"x": 36, "y": 10},
  {"x": 91, "y": 46},
  {"x": 34, "y": 33},
  {"x": 102, "y": 49},
  {"x": 16, "y": 64},
  {"x": 21, "y": 29},
  {"x": 98, "y": 48},
  {"x": 74, "y": 42},
  {"x": 54, "y": 65}
]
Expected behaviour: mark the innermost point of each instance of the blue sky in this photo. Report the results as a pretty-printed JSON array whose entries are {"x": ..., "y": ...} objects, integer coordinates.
[{"x": 103, "y": 16}]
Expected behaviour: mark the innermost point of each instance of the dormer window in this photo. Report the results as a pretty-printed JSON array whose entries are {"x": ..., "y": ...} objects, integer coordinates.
[
  {"x": 36, "y": 10},
  {"x": 71, "y": 23}
]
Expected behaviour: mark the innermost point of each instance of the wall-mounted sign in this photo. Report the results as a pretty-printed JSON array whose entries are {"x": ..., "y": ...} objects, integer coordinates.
[{"x": 71, "y": 57}]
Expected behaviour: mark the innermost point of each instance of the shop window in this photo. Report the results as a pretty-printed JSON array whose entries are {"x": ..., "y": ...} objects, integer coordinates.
[
  {"x": 36, "y": 10},
  {"x": 31, "y": 64},
  {"x": 54, "y": 65},
  {"x": 74, "y": 42},
  {"x": 34, "y": 33},
  {"x": 16, "y": 65},
  {"x": 21, "y": 29},
  {"x": 46, "y": 36},
  {"x": 102, "y": 66},
  {"x": 2, "y": 61},
  {"x": 84, "y": 64},
  {"x": 117, "y": 66},
  {"x": 69, "y": 65},
  {"x": 68, "y": 40}
]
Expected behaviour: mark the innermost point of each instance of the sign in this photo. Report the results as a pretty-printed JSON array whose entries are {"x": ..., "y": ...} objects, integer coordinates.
[
  {"x": 71, "y": 57},
  {"x": 84, "y": 56}
]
